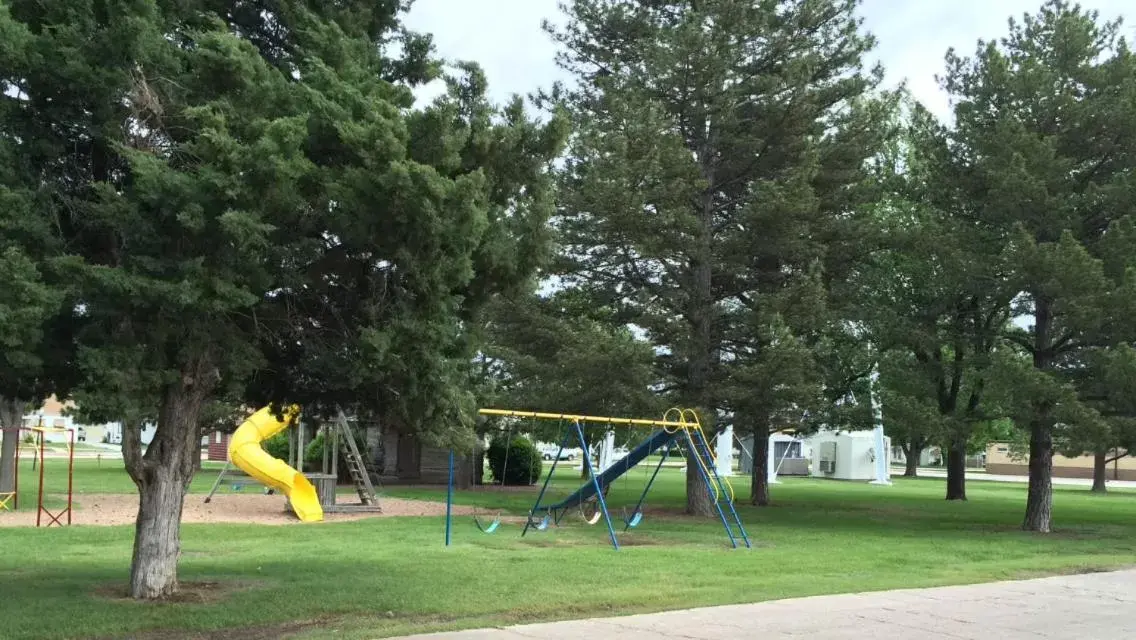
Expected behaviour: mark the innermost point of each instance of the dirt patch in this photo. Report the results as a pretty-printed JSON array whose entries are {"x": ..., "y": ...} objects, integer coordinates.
[
  {"x": 118, "y": 509},
  {"x": 188, "y": 592}
]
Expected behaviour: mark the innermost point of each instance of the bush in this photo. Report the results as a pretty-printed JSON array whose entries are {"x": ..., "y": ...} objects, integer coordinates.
[
  {"x": 277, "y": 446},
  {"x": 313, "y": 457},
  {"x": 519, "y": 465}
]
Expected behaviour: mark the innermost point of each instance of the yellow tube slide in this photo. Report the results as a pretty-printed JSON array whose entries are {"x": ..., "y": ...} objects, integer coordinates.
[{"x": 246, "y": 453}]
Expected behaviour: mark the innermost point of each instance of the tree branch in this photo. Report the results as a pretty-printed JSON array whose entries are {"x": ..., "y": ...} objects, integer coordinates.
[
  {"x": 132, "y": 450},
  {"x": 1063, "y": 344},
  {"x": 1022, "y": 341}
]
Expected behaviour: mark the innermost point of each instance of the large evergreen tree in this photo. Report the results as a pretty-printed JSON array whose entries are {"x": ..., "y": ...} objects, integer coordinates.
[
  {"x": 719, "y": 147},
  {"x": 933, "y": 299},
  {"x": 35, "y": 318},
  {"x": 245, "y": 190},
  {"x": 1044, "y": 145}
]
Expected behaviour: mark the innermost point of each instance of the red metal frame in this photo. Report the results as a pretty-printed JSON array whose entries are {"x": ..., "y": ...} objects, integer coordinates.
[{"x": 55, "y": 518}]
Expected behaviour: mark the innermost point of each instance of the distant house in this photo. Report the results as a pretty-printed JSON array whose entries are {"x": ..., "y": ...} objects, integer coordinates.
[
  {"x": 54, "y": 413},
  {"x": 928, "y": 457},
  {"x": 218, "y": 446},
  {"x": 1000, "y": 461}
]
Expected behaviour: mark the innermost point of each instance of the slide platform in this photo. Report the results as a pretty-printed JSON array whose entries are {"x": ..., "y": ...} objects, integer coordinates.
[
  {"x": 654, "y": 442},
  {"x": 246, "y": 453}
]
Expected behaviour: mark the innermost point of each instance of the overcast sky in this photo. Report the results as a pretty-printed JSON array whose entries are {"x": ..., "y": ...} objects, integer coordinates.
[{"x": 505, "y": 37}]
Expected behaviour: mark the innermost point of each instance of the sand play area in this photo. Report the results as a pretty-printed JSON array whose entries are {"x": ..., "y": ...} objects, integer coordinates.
[{"x": 117, "y": 509}]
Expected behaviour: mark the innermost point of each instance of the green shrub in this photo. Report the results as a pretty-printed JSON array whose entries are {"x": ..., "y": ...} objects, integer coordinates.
[
  {"x": 277, "y": 446},
  {"x": 519, "y": 465},
  {"x": 313, "y": 456}
]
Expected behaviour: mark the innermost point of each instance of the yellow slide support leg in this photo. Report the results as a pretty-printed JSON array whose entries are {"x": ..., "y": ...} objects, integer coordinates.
[{"x": 246, "y": 453}]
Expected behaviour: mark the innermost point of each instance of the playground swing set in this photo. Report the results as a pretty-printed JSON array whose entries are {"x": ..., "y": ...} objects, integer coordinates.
[
  {"x": 10, "y": 500},
  {"x": 679, "y": 429}
]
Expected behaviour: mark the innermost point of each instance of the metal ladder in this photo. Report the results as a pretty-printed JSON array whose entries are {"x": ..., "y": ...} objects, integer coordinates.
[
  {"x": 356, "y": 467},
  {"x": 720, "y": 490}
]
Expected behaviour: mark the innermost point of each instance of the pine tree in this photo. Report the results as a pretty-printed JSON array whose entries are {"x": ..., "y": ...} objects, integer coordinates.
[
  {"x": 933, "y": 296},
  {"x": 248, "y": 195},
  {"x": 716, "y": 144},
  {"x": 1044, "y": 145},
  {"x": 37, "y": 358}
]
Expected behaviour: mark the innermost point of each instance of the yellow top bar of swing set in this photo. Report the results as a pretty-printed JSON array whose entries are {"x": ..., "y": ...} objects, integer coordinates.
[{"x": 581, "y": 418}]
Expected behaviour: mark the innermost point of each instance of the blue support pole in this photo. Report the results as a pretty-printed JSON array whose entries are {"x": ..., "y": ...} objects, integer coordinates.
[
  {"x": 715, "y": 493},
  {"x": 547, "y": 479},
  {"x": 450, "y": 499},
  {"x": 666, "y": 452},
  {"x": 596, "y": 484}
]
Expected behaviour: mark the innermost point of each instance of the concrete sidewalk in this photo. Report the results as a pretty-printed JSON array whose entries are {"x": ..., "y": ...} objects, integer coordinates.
[{"x": 1099, "y": 606}]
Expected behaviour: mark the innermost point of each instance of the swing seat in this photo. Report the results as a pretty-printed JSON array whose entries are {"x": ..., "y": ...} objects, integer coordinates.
[
  {"x": 542, "y": 523},
  {"x": 634, "y": 520},
  {"x": 590, "y": 511},
  {"x": 490, "y": 527}
]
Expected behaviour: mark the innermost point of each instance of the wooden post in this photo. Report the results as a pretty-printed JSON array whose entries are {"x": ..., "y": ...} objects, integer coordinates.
[{"x": 334, "y": 446}]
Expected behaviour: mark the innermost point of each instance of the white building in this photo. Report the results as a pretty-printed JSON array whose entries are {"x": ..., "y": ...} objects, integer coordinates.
[
  {"x": 846, "y": 455},
  {"x": 790, "y": 454}
]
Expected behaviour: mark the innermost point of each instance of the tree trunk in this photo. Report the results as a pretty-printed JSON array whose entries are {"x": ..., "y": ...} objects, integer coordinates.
[
  {"x": 153, "y": 569},
  {"x": 163, "y": 476},
  {"x": 911, "y": 467},
  {"x": 759, "y": 488},
  {"x": 11, "y": 417},
  {"x": 703, "y": 351},
  {"x": 956, "y": 470},
  {"x": 911, "y": 458},
  {"x": 1039, "y": 501},
  {"x": 1100, "y": 471},
  {"x": 587, "y": 455},
  {"x": 698, "y": 500}
]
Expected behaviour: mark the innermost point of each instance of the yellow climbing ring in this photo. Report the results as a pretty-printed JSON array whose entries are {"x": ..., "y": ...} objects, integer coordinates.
[
  {"x": 5, "y": 499},
  {"x": 689, "y": 422}
]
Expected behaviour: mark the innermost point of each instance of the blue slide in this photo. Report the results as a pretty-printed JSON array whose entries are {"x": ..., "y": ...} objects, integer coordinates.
[{"x": 655, "y": 441}]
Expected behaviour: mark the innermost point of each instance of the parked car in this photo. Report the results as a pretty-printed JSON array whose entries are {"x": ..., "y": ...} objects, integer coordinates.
[{"x": 548, "y": 452}]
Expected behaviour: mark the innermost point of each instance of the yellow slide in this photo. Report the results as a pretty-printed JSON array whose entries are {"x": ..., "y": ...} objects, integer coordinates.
[{"x": 246, "y": 453}]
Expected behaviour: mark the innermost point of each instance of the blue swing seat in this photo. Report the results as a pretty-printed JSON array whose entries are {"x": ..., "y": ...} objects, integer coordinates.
[
  {"x": 488, "y": 528},
  {"x": 541, "y": 524}
]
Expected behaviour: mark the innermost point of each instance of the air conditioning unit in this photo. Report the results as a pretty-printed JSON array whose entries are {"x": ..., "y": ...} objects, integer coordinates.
[{"x": 828, "y": 466}]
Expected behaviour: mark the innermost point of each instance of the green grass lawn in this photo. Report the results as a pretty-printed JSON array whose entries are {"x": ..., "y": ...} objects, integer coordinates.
[{"x": 388, "y": 576}]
